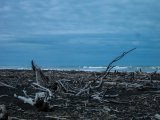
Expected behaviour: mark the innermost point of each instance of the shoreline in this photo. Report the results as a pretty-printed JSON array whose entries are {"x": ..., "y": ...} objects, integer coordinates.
[
  {"x": 133, "y": 97},
  {"x": 147, "y": 69}
]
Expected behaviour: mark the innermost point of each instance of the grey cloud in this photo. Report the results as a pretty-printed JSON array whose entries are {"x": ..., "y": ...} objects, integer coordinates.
[{"x": 68, "y": 17}]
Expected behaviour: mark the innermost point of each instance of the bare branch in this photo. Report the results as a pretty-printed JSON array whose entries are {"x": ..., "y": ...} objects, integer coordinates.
[
  {"x": 85, "y": 89},
  {"x": 3, "y": 84},
  {"x": 41, "y": 79},
  {"x": 44, "y": 89},
  {"x": 3, "y": 96},
  {"x": 109, "y": 67}
]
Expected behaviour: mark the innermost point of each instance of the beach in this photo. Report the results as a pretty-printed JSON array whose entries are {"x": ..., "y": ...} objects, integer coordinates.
[{"x": 129, "y": 95}]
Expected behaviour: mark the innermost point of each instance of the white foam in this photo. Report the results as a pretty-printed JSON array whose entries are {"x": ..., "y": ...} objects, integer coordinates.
[{"x": 93, "y": 68}]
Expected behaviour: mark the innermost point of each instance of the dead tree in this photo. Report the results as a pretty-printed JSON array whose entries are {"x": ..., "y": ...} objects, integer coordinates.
[
  {"x": 41, "y": 99},
  {"x": 67, "y": 87},
  {"x": 110, "y": 65},
  {"x": 108, "y": 69},
  {"x": 41, "y": 79}
]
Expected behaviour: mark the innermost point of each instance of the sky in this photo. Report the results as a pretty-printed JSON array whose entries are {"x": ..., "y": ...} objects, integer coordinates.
[{"x": 79, "y": 33}]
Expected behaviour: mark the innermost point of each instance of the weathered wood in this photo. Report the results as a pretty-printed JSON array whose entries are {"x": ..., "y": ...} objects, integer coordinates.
[
  {"x": 3, "y": 113},
  {"x": 40, "y": 101},
  {"x": 109, "y": 67},
  {"x": 41, "y": 79},
  {"x": 5, "y": 85},
  {"x": 157, "y": 116}
]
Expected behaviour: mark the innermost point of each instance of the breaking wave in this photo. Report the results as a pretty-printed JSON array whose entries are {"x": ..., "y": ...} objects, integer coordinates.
[
  {"x": 125, "y": 68},
  {"x": 94, "y": 68}
]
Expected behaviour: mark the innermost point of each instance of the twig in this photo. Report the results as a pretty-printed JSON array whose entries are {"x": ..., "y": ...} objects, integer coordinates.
[
  {"x": 46, "y": 89},
  {"x": 3, "y": 84},
  {"x": 3, "y": 96},
  {"x": 86, "y": 88},
  {"x": 63, "y": 87},
  {"x": 109, "y": 67},
  {"x": 97, "y": 97},
  {"x": 98, "y": 86},
  {"x": 117, "y": 102}
]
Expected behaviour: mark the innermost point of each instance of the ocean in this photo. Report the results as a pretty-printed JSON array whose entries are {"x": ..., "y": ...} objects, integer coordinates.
[
  {"x": 67, "y": 34},
  {"x": 148, "y": 69}
]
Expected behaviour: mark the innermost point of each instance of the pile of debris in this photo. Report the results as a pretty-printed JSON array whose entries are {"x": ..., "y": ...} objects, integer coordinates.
[{"x": 93, "y": 94}]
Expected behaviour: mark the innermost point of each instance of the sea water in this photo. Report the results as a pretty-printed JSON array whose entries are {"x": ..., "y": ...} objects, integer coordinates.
[{"x": 148, "y": 69}]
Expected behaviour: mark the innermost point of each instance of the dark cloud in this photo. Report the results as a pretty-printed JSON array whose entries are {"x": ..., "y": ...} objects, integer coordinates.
[{"x": 83, "y": 31}]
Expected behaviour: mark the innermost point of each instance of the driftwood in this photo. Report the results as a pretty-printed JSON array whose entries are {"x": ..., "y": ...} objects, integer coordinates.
[
  {"x": 41, "y": 99},
  {"x": 5, "y": 85},
  {"x": 3, "y": 113},
  {"x": 92, "y": 89},
  {"x": 157, "y": 116},
  {"x": 110, "y": 65},
  {"x": 122, "y": 99},
  {"x": 119, "y": 96},
  {"x": 41, "y": 79}
]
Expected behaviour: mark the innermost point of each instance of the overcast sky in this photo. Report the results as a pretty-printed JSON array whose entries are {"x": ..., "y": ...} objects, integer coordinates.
[{"x": 85, "y": 32}]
